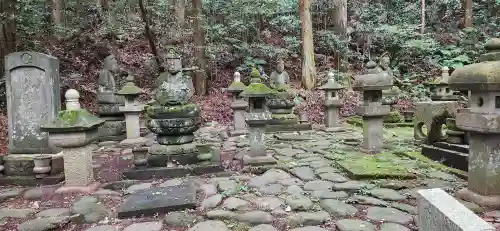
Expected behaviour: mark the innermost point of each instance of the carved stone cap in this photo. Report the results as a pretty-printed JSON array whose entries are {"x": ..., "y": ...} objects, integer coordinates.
[
  {"x": 130, "y": 88},
  {"x": 256, "y": 90},
  {"x": 371, "y": 82},
  {"x": 237, "y": 86},
  {"x": 484, "y": 76},
  {"x": 331, "y": 84}
]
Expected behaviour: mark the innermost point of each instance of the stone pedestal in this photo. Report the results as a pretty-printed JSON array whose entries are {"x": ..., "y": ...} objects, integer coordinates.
[
  {"x": 332, "y": 103},
  {"x": 482, "y": 121},
  {"x": 74, "y": 130},
  {"x": 238, "y": 105},
  {"x": 372, "y": 109},
  {"x": 132, "y": 111},
  {"x": 33, "y": 97}
]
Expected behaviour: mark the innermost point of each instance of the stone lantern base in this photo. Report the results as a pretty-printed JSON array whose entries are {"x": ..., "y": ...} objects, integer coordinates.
[{"x": 18, "y": 170}]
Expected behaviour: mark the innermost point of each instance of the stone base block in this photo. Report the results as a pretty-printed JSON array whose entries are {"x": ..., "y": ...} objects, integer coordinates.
[
  {"x": 492, "y": 202},
  {"x": 258, "y": 160},
  {"x": 112, "y": 130},
  {"x": 233, "y": 133},
  {"x": 288, "y": 127},
  {"x": 275, "y": 121},
  {"x": 78, "y": 168},
  {"x": 336, "y": 129},
  {"x": 22, "y": 164},
  {"x": 112, "y": 138},
  {"x": 451, "y": 155},
  {"x": 31, "y": 180},
  {"x": 172, "y": 172},
  {"x": 133, "y": 143}
]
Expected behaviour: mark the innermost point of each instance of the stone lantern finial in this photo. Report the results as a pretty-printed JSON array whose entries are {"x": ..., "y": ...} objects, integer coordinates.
[
  {"x": 331, "y": 76},
  {"x": 72, "y": 100},
  {"x": 237, "y": 77},
  {"x": 445, "y": 74}
]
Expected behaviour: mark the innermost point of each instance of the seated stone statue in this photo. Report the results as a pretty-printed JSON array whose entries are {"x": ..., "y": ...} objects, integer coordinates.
[
  {"x": 279, "y": 78},
  {"x": 173, "y": 88},
  {"x": 106, "y": 81}
]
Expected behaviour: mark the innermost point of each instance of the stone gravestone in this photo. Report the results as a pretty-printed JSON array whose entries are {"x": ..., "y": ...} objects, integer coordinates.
[
  {"x": 33, "y": 97},
  {"x": 439, "y": 211}
]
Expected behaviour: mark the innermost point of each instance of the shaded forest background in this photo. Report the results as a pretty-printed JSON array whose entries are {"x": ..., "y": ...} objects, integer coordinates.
[{"x": 223, "y": 36}]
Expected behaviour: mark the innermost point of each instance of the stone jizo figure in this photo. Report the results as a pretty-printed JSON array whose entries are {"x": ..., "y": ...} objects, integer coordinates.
[
  {"x": 279, "y": 77},
  {"x": 173, "y": 87},
  {"x": 106, "y": 80}
]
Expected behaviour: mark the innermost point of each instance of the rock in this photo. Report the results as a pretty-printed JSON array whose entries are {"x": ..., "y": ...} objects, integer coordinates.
[
  {"x": 307, "y": 218},
  {"x": 338, "y": 208},
  {"x": 209, "y": 226},
  {"x": 107, "y": 192},
  {"x": 38, "y": 193},
  {"x": 228, "y": 187},
  {"x": 255, "y": 217},
  {"x": 43, "y": 224},
  {"x": 294, "y": 190},
  {"x": 119, "y": 185},
  {"x": 263, "y": 227},
  {"x": 351, "y": 186},
  {"x": 364, "y": 200},
  {"x": 269, "y": 177},
  {"x": 16, "y": 213},
  {"x": 334, "y": 177},
  {"x": 309, "y": 228},
  {"x": 304, "y": 173},
  {"x": 211, "y": 202},
  {"x": 291, "y": 181},
  {"x": 393, "y": 227},
  {"x": 209, "y": 189},
  {"x": 180, "y": 219},
  {"x": 380, "y": 214},
  {"x": 55, "y": 212},
  {"x": 405, "y": 208},
  {"x": 318, "y": 185},
  {"x": 326, "y": 170},
  {"x": 136, "y": 187},
  {"x": 10, "y": 193},
  {"x": 172, "y": 182},
  {"x": 330, "y": 194},
  {"x": 272, "y": 189},
  {"x": 288, "y": 151},
  {"x": 145, "y": 226},
  {"x": 386, "y": 194},
  {"x": 102, "y": 228},
  {"x": 221, "y": 214},
  {"x": 268, "y": 203},
  {"x": 91, "y": 211},
  {"x": 354, "y": 225},
  {"x": 233, "y": 203},
  {"x": 299, "y": 202}
]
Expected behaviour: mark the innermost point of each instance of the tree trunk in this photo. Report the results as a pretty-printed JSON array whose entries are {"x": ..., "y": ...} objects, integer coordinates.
[
  {"x": 308, "y": 64},
  {"x": 7, "y": 31},
  {"x": 422, "y": 17},
  {"x": 200, "y": 78},
  {"x": 340, "y": 24},
  {"x": 180, "y": 11},
  {"x": 58, "y": 12},
  {"x": 468, "y": 14}
]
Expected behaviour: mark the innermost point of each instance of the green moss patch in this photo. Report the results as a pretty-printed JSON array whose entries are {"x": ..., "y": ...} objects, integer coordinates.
[
  {"x": 74, "y": 120},
  {"x": 393, "y": 117},
  {"x": 358, "y": 121},
  {"x": 380, "y": 166},
  {"x": 432, "y": 164},
  {"x": 256, "y": 89},
  {"x": 185, "y": 109},
  {"x": 283, "y": 116}
]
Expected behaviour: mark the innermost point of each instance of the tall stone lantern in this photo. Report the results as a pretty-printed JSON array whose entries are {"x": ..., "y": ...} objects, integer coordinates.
[
  {"x": 132, "y": 111},
  {"x": 372, "y": 110},
  {"x": 440, "y": 90},
  {"x": 482, "y": 121},
  {"x": 332, "y": 102},
  {"x": 74, "y": 130},
  {"x": 239, "y": 105},
  {"x": 257, "y": 118}
]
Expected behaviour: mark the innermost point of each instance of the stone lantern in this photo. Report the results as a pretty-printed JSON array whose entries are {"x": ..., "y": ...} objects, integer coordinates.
[
  {"x": 74, "y": 130},
  {"x": 332, "y": 102},
  {"x": 482, "y": 121},
  {"x": 257, "y": 118},
  {"x": 132, "y": 110},
  {"x": 440, "y": 91},
  {"x": 372, "y": 109},
  {"x": 239, "y": 105}
]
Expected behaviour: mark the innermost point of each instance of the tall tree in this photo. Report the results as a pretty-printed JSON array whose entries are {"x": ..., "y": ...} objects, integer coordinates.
[
  {"x": 308, "y": 63},
  {"x": 7, "y": 30},
  {"x": 200, "y": 78},
  {"x": 58, "y": 12},
  {"x": 340, "y": 23},
  {"x": 468, "y": 14},
  {"x": 422, "y": 16}
]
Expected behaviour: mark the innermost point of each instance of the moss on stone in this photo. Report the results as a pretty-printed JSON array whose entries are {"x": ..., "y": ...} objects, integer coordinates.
[
  {"x": 256, "y": 89},
  {"x": 156, "y": 109},
  {"x": 393, "y": 117},
  {"x": 237, "y": 85},
  {"x": 80, "y": 119},
  {"x": 355, "y": 120},
  {"x": 432, "y": 164},
  {"x": 451, "y": 124},
  {"x": 255, "y": 73},
  {"x": 379, "y": 166}
]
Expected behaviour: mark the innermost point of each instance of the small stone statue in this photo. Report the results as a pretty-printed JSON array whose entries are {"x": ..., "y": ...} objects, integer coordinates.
[
  {"x": 279, "y": 77},
  {"x": 106, "y": 80},
  {"x": 173, "y": 88}
]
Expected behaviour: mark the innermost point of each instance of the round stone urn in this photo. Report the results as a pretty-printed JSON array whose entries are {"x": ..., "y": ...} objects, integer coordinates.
[{"x": 42, "y": 165}]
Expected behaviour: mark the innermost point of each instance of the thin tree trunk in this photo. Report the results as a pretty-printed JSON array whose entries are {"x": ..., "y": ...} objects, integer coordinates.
[
  {"x": 180, "y": 11},
  {"x": 7, "y": 30},
  {"x": 200, "y": 78},
  {"x": 422, "y": 19},
  {"x": 340, "y": 23},
  {"x": 468, "y": 14},
  {"x": 308, "y": 63},
  {"x": 58, "y": 12}
]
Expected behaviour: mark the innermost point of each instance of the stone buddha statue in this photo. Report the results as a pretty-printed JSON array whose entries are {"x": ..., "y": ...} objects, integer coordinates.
[
  {"x": 279, "y": 77},
  {"x": 173, "y": 88}
]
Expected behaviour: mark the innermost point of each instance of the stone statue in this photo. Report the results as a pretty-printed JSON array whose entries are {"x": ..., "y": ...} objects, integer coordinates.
[
  {"x": 173, "y": 88},
  {"x": 279, "y": 77},
  {"x": 106, "y": 80}
]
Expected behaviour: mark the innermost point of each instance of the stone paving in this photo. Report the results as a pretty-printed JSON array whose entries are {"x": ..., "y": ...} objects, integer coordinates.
[{"x": 320, "y": 183}]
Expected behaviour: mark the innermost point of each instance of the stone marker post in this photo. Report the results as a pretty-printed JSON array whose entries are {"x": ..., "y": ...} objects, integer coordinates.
[
  {"x": 332, "y": 102},
  {"x": 74, "y": 130},
  {"x": 257, "y": 118},
  {"x": 239, "y": 106},
  {"x": 482, "y": 121},
  {"x": 439, "y": 211},
  {"x": 372, "y": 109},
  {"x": 132, "y": 111}
]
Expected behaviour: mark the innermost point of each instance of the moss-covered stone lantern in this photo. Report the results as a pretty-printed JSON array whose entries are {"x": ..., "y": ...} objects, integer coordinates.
[
  {"x": 332, "y": 101},
  {"x": 132, "y": 111},
  {"x": 74, "y": 130},
  {"x": 257, "y": 118},
  {"x": 440, "y": 90},
  {"x": 482, "y": 121},
  {"x": 372, "y": 109},
  {"x": 239, "y": 105}
]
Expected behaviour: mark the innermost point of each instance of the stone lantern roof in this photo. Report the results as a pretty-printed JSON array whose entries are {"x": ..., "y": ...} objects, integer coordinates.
[
  {"x": 256, "y": 88},
  {"x": 130, "y": 89},
  {"x": 331, "y": 84},
  {"x": 483, "y": 76},
  {"x": 372, "y": 82},
  {"x": 236, "y": 86}
]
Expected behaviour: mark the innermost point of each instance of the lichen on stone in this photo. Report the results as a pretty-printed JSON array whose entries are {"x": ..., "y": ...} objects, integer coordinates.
[
  {"x": 77, "y": 119},
  {"x": 256, "y": 89},
  {"x": 156, "y": 109}
]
